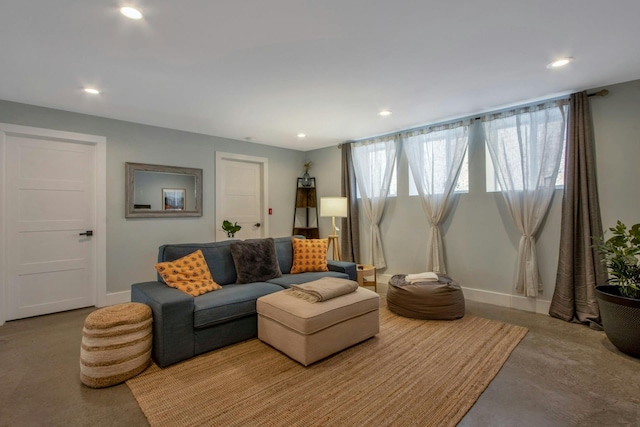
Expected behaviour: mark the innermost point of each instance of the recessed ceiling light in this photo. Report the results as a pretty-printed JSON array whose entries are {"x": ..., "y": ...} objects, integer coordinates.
[
  {"x": 92, "y": 91},
  {"x": 131, "y": 12},
  {"x": 560, "y": 62},
  {"x": 384, "y": 113},
  {"x": 301, "y": 135}
]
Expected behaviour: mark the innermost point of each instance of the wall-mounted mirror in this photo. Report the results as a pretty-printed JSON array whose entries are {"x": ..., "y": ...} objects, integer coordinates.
[{"x": 155, "y": 191}]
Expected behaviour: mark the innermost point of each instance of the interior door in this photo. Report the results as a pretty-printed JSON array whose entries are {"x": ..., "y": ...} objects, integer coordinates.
[
  {"x": 50, "y": 189},
  {"x": 239, "y": 197}
]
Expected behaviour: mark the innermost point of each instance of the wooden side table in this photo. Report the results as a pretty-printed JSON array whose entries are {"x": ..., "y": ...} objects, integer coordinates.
[{"x": 365, "y": 273}]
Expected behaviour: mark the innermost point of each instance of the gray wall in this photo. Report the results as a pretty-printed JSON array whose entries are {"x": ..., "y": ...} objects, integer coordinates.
[
  {"x": 132, "y": 244},
  {"x": 326, "y": 170},
  {"x": 481, "y": 242},
  {"x": 617, "y": 132}
]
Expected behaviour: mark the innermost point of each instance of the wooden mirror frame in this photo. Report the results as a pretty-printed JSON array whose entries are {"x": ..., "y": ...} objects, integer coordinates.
[{"x": 130, "y": 209}]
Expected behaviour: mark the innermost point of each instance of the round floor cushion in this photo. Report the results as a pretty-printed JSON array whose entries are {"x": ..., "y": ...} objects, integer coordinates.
[
  {"x": 116, "y": 344},
  {"x": 441, "y": 300}
]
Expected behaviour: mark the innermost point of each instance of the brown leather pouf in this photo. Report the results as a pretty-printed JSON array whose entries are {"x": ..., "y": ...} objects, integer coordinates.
[
  {"x": 441, "y": 300},
  {"x": 116, "y": 344}
]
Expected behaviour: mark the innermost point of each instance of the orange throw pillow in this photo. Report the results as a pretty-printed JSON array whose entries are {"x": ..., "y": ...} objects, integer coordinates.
[
  {"x": 189, "y": 274},
  {"x": 309, "y": 255}
]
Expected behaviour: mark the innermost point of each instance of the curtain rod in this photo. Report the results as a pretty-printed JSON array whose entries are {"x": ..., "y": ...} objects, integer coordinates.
[{"x": 602, "y": 92}]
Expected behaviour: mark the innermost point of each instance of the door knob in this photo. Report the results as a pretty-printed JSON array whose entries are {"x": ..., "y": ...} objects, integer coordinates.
[
  {"x": 257, "y": 224},
  {"x": 87, "y": 233}
]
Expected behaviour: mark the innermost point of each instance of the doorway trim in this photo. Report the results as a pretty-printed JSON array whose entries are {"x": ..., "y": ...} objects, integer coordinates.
[
  {"x": 264, "y": 188},
  {"x": 100, "y": 220}
]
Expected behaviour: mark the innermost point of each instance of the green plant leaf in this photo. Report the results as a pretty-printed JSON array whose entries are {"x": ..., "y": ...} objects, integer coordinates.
[
  {"x": 620, "y": 253},
  {"x": 230, "y": 228}
]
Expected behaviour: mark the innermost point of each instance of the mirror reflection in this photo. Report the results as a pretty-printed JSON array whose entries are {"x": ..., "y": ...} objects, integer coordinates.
[
  {"x": 164, "y": 191},
  {"x": 161, "y": 191}
]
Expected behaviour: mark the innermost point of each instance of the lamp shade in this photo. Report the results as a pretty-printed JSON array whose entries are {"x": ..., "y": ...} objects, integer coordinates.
[{"x": 333, "y": 206}]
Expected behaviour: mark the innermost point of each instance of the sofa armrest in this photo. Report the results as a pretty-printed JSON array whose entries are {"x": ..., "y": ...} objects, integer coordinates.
[
  {"x": 172, "y": 310},
  {"x": 343, "y": 267}
]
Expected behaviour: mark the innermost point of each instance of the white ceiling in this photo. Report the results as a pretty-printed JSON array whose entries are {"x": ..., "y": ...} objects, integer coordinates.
[{"x": 268, "y": 70}]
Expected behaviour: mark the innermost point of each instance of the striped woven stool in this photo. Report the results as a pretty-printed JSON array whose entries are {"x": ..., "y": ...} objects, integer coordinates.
[{"x": 116, "y": 344}]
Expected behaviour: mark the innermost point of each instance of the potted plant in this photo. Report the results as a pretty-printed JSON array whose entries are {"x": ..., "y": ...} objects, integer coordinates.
[
  {"x": 230, "y": 229},
  {"x": 619, "y": 301}
]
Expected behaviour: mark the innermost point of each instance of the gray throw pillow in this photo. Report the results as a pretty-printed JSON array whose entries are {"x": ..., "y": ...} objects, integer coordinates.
[{"x": 255, "y": 260}]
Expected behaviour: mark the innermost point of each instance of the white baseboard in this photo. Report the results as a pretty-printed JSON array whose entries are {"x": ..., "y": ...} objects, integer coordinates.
[
  {"x": 488, "y": 297},
  {"x": 118, "y": 298},
  {"x": 534, "y": 305}
]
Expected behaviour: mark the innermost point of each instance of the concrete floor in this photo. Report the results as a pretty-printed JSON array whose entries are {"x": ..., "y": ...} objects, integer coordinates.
[{"x": 561, "y": 374}]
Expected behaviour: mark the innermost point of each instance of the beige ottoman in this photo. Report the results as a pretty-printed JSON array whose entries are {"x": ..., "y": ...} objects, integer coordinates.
[
  {"x": 308, "y": 332},
  {"x": 116, "y": 344}
]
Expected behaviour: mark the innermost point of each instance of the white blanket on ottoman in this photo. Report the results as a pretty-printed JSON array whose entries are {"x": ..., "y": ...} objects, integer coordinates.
[{"x": 323, "y": 289}]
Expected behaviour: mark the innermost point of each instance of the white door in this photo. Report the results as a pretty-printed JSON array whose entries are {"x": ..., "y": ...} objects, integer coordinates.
[
  {"x": 240, "y": 195},
  {"x": 50, "y": 203}
]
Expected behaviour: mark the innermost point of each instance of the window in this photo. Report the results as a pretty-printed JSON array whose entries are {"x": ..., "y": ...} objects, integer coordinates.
[
  {"x": 492, "y": 179},
  {"x": 393, "y": 185},
  {"x": 436, "y": 155},
  {"x": 526, "y": 145},
  {"x": 373, "y": 158},
  {"x": 462, "y": 186}
]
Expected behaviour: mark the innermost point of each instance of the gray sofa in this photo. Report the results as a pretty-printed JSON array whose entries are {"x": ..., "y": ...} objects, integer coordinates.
[{"x": 184, "y": 326}]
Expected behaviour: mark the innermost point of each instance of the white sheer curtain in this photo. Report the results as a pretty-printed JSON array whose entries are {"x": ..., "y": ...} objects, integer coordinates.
[
  {"x": 435, "y": 158},
  {"x": 373, "y": 162},
  {"x": 526, "y": 146}
]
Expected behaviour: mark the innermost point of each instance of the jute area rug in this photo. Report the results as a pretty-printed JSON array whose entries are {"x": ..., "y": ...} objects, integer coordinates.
[{"x": 413, "y": 373}]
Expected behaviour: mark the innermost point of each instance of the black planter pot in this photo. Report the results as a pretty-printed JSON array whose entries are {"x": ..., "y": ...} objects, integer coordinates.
[{"x": 620, "y": 319}]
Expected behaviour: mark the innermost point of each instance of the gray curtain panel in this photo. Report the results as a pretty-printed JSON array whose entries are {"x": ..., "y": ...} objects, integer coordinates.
[
  {"x": 580, "y": 266},
  {"x": 350, "y": 235}
]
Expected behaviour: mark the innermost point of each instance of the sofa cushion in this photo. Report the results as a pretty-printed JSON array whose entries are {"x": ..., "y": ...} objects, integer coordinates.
[
  {"x": 255, "y": 260},
  {"x": 284, "y": 252},
  {"x": 216, "y": 254},
  {"x": 230, "y": 302},
  {"x": 296, "y": 279},
  {"x": 309, "y": 255},
  {"x": 189, "y": 274}
]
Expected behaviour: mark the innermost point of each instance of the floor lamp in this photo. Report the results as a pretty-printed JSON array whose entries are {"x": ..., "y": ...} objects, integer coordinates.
[{"x": 334, "y": 207}]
